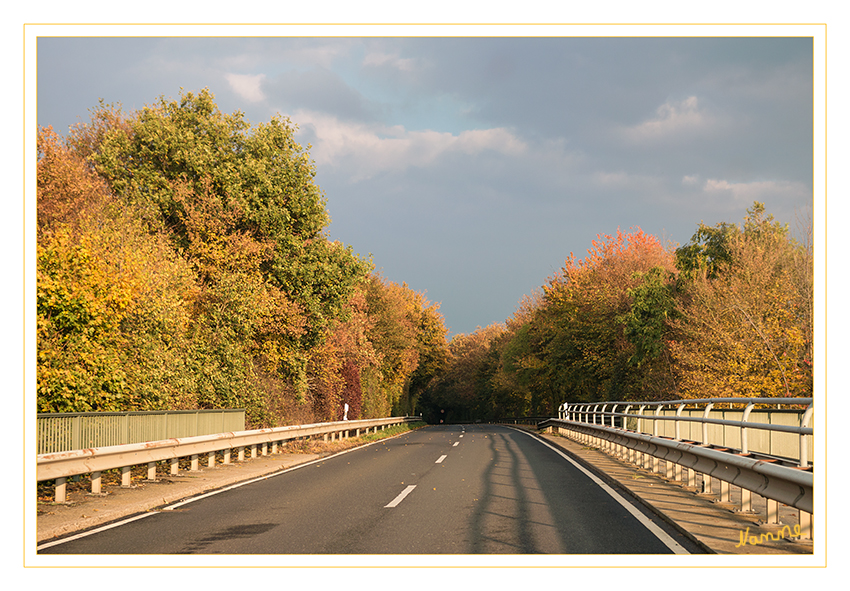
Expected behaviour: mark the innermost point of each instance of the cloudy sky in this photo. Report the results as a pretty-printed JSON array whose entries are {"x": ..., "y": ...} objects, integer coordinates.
[{"x": 471, "y": 167}]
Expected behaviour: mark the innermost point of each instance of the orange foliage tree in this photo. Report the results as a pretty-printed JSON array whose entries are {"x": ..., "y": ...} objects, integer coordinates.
[{"x": 579, "y": 332}]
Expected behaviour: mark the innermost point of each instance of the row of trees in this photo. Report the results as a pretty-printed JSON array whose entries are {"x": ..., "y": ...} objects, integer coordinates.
[
  {"x": 183, "y": 263},
  {"x": 728, "y": 314}
]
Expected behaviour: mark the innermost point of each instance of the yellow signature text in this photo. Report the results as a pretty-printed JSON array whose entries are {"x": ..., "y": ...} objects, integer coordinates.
[{"x": 755, "y": 540}]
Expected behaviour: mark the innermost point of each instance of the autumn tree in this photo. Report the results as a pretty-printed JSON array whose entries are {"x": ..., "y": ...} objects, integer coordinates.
[
  {"x": 183, "y": 262},
  {"x": 580, "y": 332},
  {"x": 220, "y": 187},
  {"x": 111, "y": 301},
  {"x": 728, "y": 314},
  {"x": 433, "y": 353},
  {"x": 599, "y": 330},
  {"x": 746, "y": 324},
  {"x": 337, "y": 366},
  {"x": 408, "y": 334}
]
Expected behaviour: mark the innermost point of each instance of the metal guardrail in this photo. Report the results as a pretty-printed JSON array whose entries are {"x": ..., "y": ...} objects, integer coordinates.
[
  {"x": 60, "y": 466},
  {"x": 67, "y": 431},
  {"x": 788, "y": 480},
  {"x": 787, "y": 432}
]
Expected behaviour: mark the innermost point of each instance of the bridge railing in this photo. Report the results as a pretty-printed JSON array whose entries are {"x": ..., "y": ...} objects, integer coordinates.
[
  {"x": 60, "y": 466},
  {"x": 67, "y": 431},
  {"x": 770, "y": 457}
]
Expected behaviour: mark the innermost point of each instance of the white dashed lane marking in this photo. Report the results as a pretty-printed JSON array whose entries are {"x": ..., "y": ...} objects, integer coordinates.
[{"x": 401, "y": 496}]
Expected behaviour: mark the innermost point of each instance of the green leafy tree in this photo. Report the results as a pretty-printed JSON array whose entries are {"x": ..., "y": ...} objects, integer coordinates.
[
  {"x": 180, "y": 156},
  {"x": 652, "y": 307},
  {"x": 521, "y": 381},
  {"x": 707, "y": 250},
  {"x": 241, "y": 205}
]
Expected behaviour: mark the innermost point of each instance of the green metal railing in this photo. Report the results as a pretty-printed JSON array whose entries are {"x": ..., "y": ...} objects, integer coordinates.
[{"x": 59, "y": 432}]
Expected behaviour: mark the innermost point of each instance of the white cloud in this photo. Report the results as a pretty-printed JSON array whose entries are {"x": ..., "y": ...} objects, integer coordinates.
[
  {"x": 746, "y": 193},
  {"x": 671, "y": 120},
  {"x": 248, "y": 86},
  {"x": 368, "y": 149}
]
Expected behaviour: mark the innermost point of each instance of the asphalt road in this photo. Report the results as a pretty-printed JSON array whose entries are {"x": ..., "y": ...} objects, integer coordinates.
[{"x": 439, "y": 490}]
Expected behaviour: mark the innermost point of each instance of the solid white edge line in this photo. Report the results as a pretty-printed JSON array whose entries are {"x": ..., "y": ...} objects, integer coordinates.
[
  {"x": 94, "y": 531},
  {"x": 657, "y": 531},
  {"x": 401, "y": 496},
  {"x": 209, "y": 494}
]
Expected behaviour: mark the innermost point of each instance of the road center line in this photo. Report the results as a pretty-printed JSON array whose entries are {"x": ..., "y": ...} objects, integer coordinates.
[
  {"x": 401, "y": 496},
  {"x": 440, "y": 461},
  {"x": 455, "y": 443}
]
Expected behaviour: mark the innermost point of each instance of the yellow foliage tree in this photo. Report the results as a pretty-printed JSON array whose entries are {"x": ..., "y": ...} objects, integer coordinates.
[
  {"x": 111, "y": 297},
  {"x": 746, "y": 327}
]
